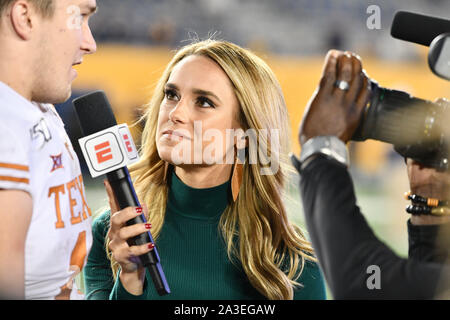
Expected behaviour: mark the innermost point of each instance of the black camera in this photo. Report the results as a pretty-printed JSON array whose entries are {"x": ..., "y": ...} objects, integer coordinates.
[{"x": 417, "y": 128}]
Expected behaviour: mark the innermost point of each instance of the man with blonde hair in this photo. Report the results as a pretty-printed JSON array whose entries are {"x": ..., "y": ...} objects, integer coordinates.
[{"x": 45, "y": 232}]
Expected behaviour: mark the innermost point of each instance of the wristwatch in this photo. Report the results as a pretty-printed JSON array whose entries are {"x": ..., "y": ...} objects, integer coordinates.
[{"x": 331, "y": 146}]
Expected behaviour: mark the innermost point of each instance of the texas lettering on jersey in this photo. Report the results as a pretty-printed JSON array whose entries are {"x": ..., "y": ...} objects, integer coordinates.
[
  {"x": 36, "y": 157},
  {"x": 65, "y": 196},
  {"x": 64, "y": 192},
  {"x": 68, "y": 192}
]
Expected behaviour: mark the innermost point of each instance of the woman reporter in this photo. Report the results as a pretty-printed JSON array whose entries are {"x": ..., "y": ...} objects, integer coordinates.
[{"x": 221, "y": 227}]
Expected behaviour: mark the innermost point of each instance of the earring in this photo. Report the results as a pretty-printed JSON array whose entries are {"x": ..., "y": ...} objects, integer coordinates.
[
  {"x": 236, "y": 177},
  {"x": 166, "y": 171}
]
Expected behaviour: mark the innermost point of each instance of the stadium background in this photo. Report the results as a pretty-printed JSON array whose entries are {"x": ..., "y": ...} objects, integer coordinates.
[{"x": 137, "y": 38}]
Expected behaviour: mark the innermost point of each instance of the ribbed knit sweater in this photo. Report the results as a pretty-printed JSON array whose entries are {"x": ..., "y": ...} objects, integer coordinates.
[{"x": 193, "y": 254}]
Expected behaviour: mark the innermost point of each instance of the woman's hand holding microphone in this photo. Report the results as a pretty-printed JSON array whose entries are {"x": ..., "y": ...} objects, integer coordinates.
[{"x": 132, "y": 272}]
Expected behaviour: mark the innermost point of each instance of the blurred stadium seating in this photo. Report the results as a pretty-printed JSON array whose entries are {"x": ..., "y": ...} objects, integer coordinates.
[{"x": 288, "y": 27}]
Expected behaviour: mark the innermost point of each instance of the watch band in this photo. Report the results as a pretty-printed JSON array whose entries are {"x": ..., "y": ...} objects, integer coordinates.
[{"x": 330, "y": 146}]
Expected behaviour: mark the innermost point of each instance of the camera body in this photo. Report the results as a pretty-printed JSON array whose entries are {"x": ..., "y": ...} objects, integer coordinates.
[{"x": 418, "y": 129}]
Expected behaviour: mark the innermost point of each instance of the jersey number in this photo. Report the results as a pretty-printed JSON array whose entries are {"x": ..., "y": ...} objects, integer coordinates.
[{"x": 76, "y": 265}]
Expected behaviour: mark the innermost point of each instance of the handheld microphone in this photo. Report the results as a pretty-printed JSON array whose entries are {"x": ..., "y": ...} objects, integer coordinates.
[
  {"x": 418, "y": 28},
  {"x": 107, "y": 149}
]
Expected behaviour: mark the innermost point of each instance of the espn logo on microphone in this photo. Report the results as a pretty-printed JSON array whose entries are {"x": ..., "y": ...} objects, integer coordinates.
[{"x": 108, "y": 150}]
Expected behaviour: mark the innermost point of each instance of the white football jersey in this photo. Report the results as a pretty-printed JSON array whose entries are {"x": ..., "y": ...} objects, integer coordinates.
[{"x": 36, "y": 156}]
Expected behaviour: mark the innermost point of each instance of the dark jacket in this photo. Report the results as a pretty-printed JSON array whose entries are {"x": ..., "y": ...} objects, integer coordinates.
[{"x": 347, "y": 247}]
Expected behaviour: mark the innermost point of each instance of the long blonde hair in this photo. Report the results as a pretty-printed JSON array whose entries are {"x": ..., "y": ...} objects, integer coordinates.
[{"x": 271, "y": 250}]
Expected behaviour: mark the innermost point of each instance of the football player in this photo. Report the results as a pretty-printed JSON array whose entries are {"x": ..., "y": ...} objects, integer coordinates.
[{"x": 45, "y": 229}]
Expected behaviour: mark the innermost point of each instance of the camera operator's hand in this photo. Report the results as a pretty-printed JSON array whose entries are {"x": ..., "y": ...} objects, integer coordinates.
[
  {"x": 334, "y": 111},
  {"x": 429, "y": 183}
]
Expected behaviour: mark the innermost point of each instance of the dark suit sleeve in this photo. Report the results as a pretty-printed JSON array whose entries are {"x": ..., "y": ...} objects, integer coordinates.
[
  {"x": 429, "y": 243},
  {"x": 347, "y": 249}
]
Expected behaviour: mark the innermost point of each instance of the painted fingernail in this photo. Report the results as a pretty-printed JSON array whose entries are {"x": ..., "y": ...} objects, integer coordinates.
[
  {"x": 139, "y": 210},
  {"x": 148, "y": 226},
  {"x": 151, "y": 246}
]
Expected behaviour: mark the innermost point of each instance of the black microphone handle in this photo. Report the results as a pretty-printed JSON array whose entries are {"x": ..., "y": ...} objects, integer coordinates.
[{"x": 123, "y": 189}]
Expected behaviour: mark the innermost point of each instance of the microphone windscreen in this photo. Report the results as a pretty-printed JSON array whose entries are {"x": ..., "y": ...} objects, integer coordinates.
[
  {"x": 94, "y": 112},
  {"x": 418, "y": 28}
]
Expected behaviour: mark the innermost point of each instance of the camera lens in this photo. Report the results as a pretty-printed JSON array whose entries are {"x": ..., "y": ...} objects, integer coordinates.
[{"x": 412, "y": 125}]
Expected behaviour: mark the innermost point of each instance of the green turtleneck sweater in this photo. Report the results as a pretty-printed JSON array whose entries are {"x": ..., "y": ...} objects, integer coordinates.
[{"x": 192, "y": 253}]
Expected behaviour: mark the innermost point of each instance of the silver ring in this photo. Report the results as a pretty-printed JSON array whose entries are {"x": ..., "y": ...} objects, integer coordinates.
[{"x": 342, "y": 84}]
